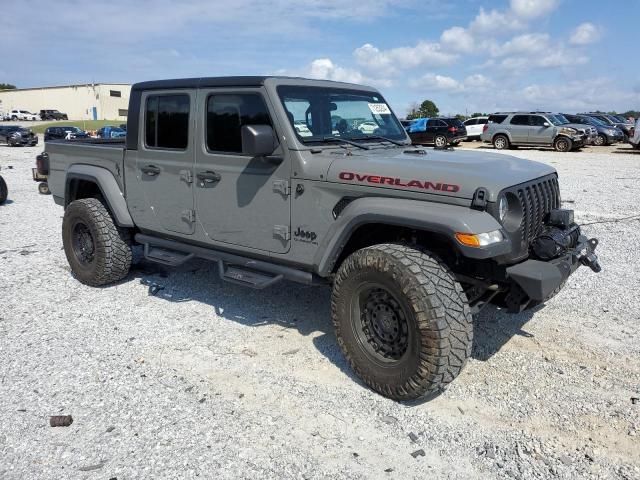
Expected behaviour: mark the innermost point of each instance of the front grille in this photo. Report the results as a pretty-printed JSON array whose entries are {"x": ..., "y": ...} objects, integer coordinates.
[{"x": 537, "y": 199}]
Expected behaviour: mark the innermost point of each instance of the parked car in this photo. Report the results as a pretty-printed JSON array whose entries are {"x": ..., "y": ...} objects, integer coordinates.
[
  {"x": 15, "y": 136},
  {"x": 405, "y": 123},
  {"x": 605, "y": 134},
  {"x": 64, "y": 133},
  {"x": 53, "y": 115},
  {"x": 611, "y": 120},
  {"x": 590, "y": 132},
  {"x": 439, "y": 131},
  {"x": 474, "y": 127},
  {"x": 412, "y": 243},
  {"x": 109, "y": 131},
  {"x": 23, "y": 115},
  {"x": 532, "y": 129}
]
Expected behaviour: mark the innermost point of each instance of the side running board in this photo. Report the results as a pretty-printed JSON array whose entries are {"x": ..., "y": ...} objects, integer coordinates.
[{"x": 232, "y": 268}]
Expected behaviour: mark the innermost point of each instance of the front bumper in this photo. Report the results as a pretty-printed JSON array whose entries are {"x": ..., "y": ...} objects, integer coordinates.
[{"x": 540, "y": 279}]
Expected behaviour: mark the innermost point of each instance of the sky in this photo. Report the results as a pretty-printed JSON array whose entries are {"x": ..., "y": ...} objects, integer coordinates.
[{"x": 465, "y": 55}]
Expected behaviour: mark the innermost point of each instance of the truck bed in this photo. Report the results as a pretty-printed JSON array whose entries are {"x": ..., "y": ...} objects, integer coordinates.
[{"x": 104, "y": 153}]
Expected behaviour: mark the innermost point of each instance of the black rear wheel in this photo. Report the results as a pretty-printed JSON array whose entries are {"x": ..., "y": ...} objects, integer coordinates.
[
  {"x": 97, "y": 250},
  {"x": 600, "y": 140},
  {"x": 401, "y": 319},
  {"x": 500, "y": 142}
]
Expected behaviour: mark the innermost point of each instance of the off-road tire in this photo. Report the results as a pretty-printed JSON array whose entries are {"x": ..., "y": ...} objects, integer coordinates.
[
  {"x": 501, "y": 142},
  {"x": 437, "y": 317},
  {"x": 111, "y": 246},
  {"x": 4, "y": 191},
  {"x": 440, "y": 141},
  {"x": 563, "y": 144},
  {"x": 600, "y": 140}
]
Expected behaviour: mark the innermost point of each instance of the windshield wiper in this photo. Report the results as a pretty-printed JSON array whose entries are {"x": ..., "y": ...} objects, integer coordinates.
[
  {"x": 380, "y": 137},
  {"x": 344, "y": 140}
]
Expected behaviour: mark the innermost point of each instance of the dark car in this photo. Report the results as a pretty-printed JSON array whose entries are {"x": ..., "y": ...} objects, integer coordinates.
[
  {"x": 64, "y": 133},
  {"x": 14, "y": 136},
  {"x": 53, "y": 115},
  {"x": 611, "y": 120},
  {"x": 607, "y": 134},
  {"x": 441, "y": 131}
]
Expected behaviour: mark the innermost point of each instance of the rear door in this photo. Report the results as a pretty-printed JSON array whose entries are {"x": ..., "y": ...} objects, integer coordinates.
[
  {"x": 240, "y": 200},
  {"x": 162, "y": 199},
  {"x": 519, "y": 128},
  {"x": 472, "y": 127}
]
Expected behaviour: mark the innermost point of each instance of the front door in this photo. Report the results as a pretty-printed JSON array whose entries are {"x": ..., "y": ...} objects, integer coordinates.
[
  {"x": 540, "y": 133},
  {"x": 163, "y": 197},
  {"x": 240, "y": 200}
]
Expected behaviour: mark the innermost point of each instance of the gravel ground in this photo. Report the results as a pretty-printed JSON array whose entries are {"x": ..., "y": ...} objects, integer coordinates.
[{"x": 171, "y": 374}]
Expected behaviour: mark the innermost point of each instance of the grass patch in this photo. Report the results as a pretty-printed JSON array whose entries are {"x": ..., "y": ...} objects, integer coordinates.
[{"x": 83, "y": 124}]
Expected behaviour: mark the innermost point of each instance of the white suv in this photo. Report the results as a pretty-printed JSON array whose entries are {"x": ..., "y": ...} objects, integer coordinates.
[
  {"x": 23, "y": 115},
  {"x": 474, "y": 127}
]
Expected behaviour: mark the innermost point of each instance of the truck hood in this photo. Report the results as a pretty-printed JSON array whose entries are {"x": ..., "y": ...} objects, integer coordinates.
[{"x": 447, "y": 172}]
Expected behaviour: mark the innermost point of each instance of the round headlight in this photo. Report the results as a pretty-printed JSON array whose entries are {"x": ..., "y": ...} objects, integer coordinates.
[{"x": 503, "y": 207}]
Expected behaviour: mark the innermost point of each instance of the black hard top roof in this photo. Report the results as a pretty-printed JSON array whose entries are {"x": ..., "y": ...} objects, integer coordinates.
[{"x": 204, "y": 82}]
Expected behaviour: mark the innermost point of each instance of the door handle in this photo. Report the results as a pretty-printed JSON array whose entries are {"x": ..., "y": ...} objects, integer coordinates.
[
  {"x": 208, "y": 178},
  {"x": 150, "y": 170}
]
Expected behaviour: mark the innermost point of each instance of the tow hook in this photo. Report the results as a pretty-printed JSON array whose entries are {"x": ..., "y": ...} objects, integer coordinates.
[{"x": 588, "y": 257}]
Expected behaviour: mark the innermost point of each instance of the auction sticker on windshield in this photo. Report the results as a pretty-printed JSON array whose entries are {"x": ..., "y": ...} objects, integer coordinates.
[{"x": 379, "y": 108}]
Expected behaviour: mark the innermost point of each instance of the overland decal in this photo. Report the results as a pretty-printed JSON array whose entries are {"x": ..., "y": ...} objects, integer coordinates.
[{"x": 398, "y": 182}]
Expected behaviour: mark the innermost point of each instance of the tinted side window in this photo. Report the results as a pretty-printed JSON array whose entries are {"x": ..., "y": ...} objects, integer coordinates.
[
  {"x": 482, "y": 121},
  {"x": 227, "y": 114},
  {"x": 167, "y": 121},
  {"x": 497, "y": 118},
  {"x": 471, "y": 122},
  {"x": 537, "y": 120},
  {"x": 520, "y": 120},
  {"x": 436, "y": 123}
]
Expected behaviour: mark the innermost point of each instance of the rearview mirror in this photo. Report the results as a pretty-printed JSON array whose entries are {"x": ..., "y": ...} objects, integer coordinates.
[
  {"x": 546, "y": 124},
  {"x": 257, "y": 140}
]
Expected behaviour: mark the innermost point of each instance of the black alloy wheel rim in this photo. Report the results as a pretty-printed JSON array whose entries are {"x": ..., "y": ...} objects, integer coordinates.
[
  {"x": 381, "y": 324},
  {"x": 83, "y": 244}
]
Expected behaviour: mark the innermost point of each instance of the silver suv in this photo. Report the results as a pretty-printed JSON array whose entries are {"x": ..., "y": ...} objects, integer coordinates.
[{"x": 541, "y": 129}]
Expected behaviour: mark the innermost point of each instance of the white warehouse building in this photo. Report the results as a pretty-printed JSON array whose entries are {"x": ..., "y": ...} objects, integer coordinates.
[{"x": 98, "y": 101}]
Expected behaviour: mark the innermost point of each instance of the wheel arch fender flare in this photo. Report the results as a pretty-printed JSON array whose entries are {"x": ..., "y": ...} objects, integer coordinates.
[
  {"x": 444, "y": 219},
  {"x": 108, "y": 187}
]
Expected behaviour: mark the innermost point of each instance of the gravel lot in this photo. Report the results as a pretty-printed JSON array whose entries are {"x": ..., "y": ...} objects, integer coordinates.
[{"x": 210, "y": 380}]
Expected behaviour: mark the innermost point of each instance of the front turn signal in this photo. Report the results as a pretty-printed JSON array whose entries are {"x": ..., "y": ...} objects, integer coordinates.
[{"x": 479, "y": 239}]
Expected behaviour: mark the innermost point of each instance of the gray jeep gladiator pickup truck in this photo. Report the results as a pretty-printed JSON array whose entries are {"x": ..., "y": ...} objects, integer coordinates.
[{"x": 412, "y": 241}]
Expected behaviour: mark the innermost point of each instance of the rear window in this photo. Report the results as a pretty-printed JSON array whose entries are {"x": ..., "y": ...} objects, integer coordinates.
[
  {"x": 497, "y": 118},
  {"x": 520, "y": 120},
  {"x": 456, "y": 122},
  {"x": 167, "y": 121}
]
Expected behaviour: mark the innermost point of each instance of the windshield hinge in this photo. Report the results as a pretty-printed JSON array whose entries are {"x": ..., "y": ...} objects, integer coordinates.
[
  {"x": 282, "y": 186},
  {"x": 282, "y": 231}
]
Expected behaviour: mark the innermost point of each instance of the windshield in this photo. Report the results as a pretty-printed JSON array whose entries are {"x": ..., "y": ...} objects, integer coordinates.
[
  {"x": 594, "y": 121},
  {"x": 72, "y": 129},
  {"x": 557, "y": 119},
  {"x": 319, "y": 112}
]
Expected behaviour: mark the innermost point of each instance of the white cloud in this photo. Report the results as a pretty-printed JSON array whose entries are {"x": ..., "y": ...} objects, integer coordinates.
[
  {"x": 528, "y": 43},
  {"x": 585, "y": 34},
  {"x": 494, "y": 22},
  {"x": 530, "y": 9},
  {"x": 473, "y": 83},
  {"x": 385, "y": 62},
  {"x": 458, "y": 39},
  {"x": 324, "y": 68}
]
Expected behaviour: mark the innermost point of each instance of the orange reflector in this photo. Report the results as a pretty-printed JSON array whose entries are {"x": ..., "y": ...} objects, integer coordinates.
[{"x": 468, "y": 239}]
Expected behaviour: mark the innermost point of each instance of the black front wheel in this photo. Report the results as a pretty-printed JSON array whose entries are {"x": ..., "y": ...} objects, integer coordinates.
[
  {"x": 600, "y": 140},
  {"x": 563, "y": 144},
  {"x": 401, "y": 320}
]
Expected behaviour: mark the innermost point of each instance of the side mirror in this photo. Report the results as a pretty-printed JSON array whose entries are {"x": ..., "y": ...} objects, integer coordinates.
[
  {"x": 546, "y": 124},
  {"x": 257, "y": 140}
]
